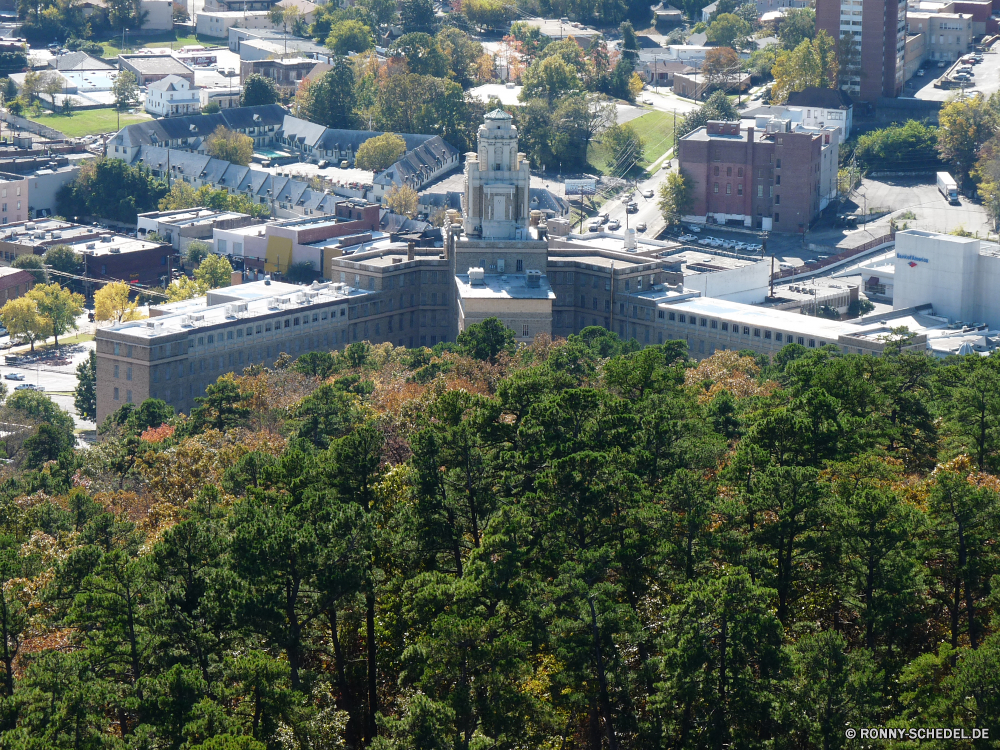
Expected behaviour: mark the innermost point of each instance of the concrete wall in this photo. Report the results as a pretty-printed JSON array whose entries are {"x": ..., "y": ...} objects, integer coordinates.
[
  {"x": 944, "y": 270},
  {"x": 45, "y": 185},
  {"x": 160, "y": 15},
  {"x": 748, "y": 284}
]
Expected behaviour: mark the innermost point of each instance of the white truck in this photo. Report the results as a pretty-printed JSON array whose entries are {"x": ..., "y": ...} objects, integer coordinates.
[{"x": 947, "y": 187}]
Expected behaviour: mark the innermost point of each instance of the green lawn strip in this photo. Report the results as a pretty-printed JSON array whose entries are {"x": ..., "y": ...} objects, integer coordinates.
[
  {"x": 87, "y": 121},
  {"x": 656, "y": 130},
  {"x": 166, "y": 39}
]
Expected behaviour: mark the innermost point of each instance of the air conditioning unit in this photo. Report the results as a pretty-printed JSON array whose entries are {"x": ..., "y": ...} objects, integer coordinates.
[
  {"x": 56, "y": 235},
  {"x": 114, "y": 250},
  {"x": 91, "y": 245}
]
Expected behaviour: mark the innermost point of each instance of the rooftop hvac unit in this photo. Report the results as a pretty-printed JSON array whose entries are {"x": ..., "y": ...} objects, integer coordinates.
[
  {"x": 534, "y": 277},
  {"x": 56, "y": 235},
  {"x": 154, "y": 325},
  {"x": 283, "y": 300},
  {"x": 39, "y": 235},
  {"x": 197, "y": 317},
  {"x": 107, "y": 238},
  {"x": 114, "y": 250},
  {"x": 30, "y": 225},
  {"x": 91, "y": 245},
  {"x": 272, "y": 303},
  {"x": 476, "y": 276}
]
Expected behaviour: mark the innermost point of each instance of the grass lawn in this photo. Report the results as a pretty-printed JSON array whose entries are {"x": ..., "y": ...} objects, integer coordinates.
[
  {"x": 112, "y": 46},
  {"x": 88, "y": 121},
  {"x": 657, "y": 132},
  {"x": 79, "y": 338}
]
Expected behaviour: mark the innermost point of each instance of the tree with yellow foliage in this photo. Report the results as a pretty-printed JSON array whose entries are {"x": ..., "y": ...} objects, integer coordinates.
[
  {"x": 812, "y": 63},
  {"x": 230, "y": 146},
  {"x": 185, "y": 288},
  {"x": 21, "y": 319},
  {"x": 111, "y": 302},
  {"x": 402, "y": 199}
]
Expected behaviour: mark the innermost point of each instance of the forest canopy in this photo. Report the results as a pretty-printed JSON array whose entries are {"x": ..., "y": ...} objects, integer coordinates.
[{"x": 571, "y": 544}]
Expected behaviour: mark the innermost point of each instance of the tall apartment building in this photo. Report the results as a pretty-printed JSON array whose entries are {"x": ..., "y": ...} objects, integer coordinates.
[{"x": 878, "y": 30}]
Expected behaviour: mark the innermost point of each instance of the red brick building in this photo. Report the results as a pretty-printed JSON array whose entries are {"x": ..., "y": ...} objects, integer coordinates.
[
  {"x": 879, "y": 29},
  {"x": 768, "y": 179},
  {"x": 14, "y": 283}
]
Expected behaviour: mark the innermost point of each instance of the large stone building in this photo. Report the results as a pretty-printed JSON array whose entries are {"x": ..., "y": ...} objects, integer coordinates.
[
  {"x": 497, "y": 178},
  {"x": 492, "y": 264},
  {"x": 877, "y": 31}
]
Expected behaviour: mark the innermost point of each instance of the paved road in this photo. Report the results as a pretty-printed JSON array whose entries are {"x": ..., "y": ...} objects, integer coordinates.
[{"x": 55, "y": 371}]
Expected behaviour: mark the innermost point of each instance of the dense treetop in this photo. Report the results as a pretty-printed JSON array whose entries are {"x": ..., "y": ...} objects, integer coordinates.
[{"x": 574, "y": 544}]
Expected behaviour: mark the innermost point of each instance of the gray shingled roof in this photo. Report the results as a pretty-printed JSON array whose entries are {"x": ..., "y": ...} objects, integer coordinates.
[{"x": 81, "y": 61}]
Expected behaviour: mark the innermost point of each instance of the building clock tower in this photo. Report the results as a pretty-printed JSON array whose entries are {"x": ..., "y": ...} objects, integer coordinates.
[{"x": 497, "y": 179}]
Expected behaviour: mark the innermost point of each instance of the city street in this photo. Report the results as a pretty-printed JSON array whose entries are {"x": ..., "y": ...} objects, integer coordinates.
[{"x": 52, "y": 369}]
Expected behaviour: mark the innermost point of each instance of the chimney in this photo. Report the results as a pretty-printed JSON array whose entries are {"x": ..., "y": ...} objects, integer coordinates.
[
  {"x": 750, "y": 134},
  {"x": 453, "y": 233},
  {"x": 409, "y": 251}
]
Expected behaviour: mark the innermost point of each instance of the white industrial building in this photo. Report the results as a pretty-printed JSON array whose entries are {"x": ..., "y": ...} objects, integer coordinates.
[{"x": 959, "y": 276}]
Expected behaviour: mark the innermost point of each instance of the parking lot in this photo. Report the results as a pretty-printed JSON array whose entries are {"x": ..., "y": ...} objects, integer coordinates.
[
  {"x": 985, "y": 79},
  {"x": 54, "y": 370}
]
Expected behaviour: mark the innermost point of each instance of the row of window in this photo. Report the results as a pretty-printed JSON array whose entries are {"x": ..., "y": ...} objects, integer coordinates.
[
  {"x": 266, "y": 327},
  {"x": 758, "y": 333}
]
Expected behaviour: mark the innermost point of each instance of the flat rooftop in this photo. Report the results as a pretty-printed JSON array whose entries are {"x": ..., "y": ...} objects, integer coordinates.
[
  {"x": 232, "y": 306},
  {"x": 503, "y": 286},
  {"x": 600, "y": 260},
  {"x": 113, "y": 244},
  {"x": 765, "y": 318},
  {"x": 702, "y": 262},
  {"x": 157, "y": 64},
  {"x": 188, "y": 217},
  {"x": 77, "y": 236}
]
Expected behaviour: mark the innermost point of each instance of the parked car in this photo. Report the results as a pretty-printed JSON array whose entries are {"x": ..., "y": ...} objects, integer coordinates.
[
  {"x": 942, "y": 64},
  {"x": 706, "y": 241},
  {"x": 640, "y": 227},
  {"x": 647, "y": 100},
  {"x": 693, "y": 228},
  {"x": 614, "y": 225},
  {"x": 28, "y": 387},
  {"x": 603, "y": 218},
  {"x": 13, "y": 376},
  {"x": 647, "y": 193},
  {"x": 323, "y": 164},
  {"x": 632, "y": 207},
  {"x": 687, "y": 238},
  {"x": 594, "y": 226},
  {"x": 920, "y": 72}
]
